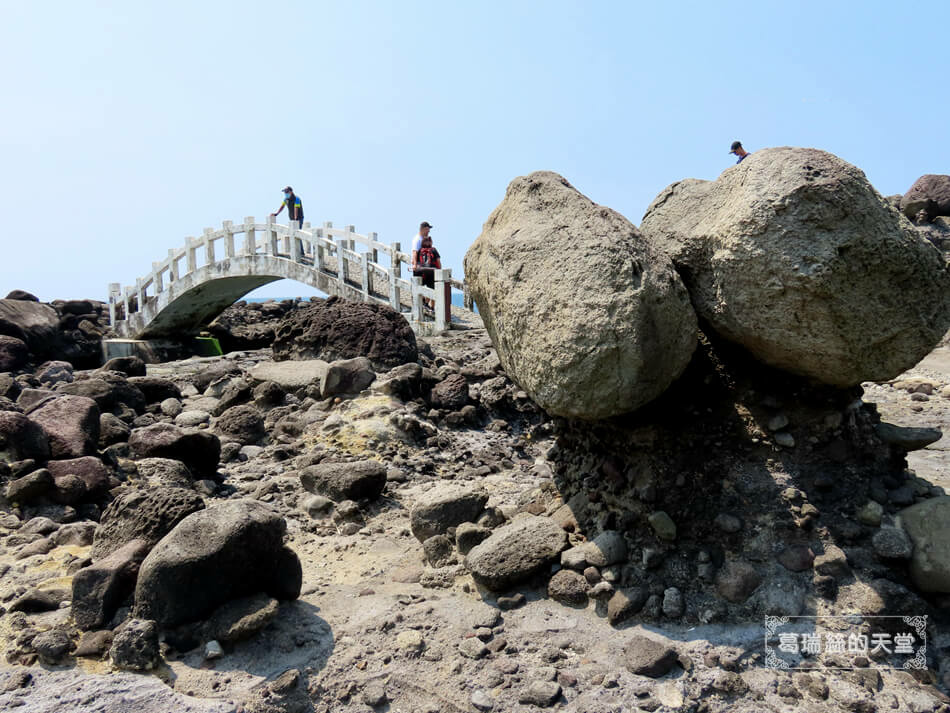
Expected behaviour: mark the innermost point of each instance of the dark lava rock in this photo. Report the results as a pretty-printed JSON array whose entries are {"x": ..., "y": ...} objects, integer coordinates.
[
  {"x": 227, "y": 551},
  {"x": 931, "y": 194},
  {"x": 91, "y": 470},
  {"x": 624, "y": 603},
  {"x": 515, "y": 552},
  {"x": 347, "y": 376},
  {"x": 242, "y": 423},
  {"x": 34, "y": 323},
  {"x": 30, "y": 487},
  {"x": 450, "y": 394},
  {"x": 112, "y": 430},
  {"x": 22, "y": 295},
  {"x": 345, "y": 481},
  {"x": 72, "y": 424},
  {"x": 155, "y": 388},
  {"x": 108, "y": 390},
  {"x": 146, "y": 515},
  {"x": 128, "y": 365},
  {"x": 99, "y": 590},
  {"x": 241, "y": 618},
  {"x": 445, "y": 506},
  {"x": 21, "y": 438},
  {"x": 336, "y": 329},
  {"x": 135, "y": 645},
  {"x": 645, "y": 656},
  {"x": 906, "y": 438},
  {"x": 568, "y": 587},
  {"x": 199, "y": 450},
  {"x": 736, "y": 581},
  {"x": 14, "y": 354},
  {"x": 53, "y": 646}
]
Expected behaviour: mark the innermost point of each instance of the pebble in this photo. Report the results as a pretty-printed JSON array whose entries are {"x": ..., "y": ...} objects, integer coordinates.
[
  {"x": 673, "y": 604},
  {"x": 728, "y": 523},
  {"x": 511, "y": 602},
  {"x": 213, "y": 650},
  {"x": 870, "y": 514},
  {"x": 663, "y": 525},
  {"x": 540, "y": 693},
  {"x": 784, "y": 439},
  {"x": 482, "y": 700},
  {"x": 892, "y": 543},
  {"x": 410, "y": 640},
  {"x": 374, "y": 694},
  {"x": 473, "y": 648},
  {"x": 778, "y": 422}
]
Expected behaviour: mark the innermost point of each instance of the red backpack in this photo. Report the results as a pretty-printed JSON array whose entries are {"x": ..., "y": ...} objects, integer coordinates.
[{"x": 428, "y": 257}]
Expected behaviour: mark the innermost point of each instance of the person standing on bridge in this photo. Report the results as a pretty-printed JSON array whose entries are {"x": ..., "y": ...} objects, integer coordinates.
[
  {"x": 424, "y": 228},
  {"x": 294, "y": 206}
]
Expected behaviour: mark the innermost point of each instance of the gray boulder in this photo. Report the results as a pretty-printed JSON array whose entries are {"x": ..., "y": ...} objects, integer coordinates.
[
  {"x": 225, "y": 552},
  {"x": 91, "y": 471},
  {"x": 32, "y": 322},
  {"x": 928, "y": 524},
  {"x": 164, "y": 471},
  {"x": 586, "y": 314},
  {"x": 242, "y": 423},
  {"x": 135, "y": 646},
  {"x": 199, "y": 450},
  {"x": 345, "y": 481},
  {"x": 146, "y": 515},
  {"x": 99, "y": 589},
  {"x": 931, "y": 194},
  {"x": 21, "y": 439},
  {"x": 128, "y": 365},
  {"x": 796, "y": 257},
  {"x": 515, "y": 552},
  {"x": 347, "y": 376},
  {"x": 14, "y": 353},
  {"x": 443, "y": 506},
  {"x": 646, "y": 656},
  {"x": 72, "y": 424}
]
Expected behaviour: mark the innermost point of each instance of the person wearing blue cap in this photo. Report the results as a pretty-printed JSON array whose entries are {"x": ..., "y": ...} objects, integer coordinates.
[
  {"x": 294, "y": 206},
  {"x": 738, "y": 151}
]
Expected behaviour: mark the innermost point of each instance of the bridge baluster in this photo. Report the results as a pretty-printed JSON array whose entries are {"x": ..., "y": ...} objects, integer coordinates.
[
  {"x": 340, "y": 267},
  {"x": 172, "y": 266},
  {"x": 140, "y": 293},
  {"x": 367, "y": 259},
  {"x": 250, "y": 244},
  {"x": 115, "y": 290},
  {"x": 157, "y": 278},
  {"x": 272, "y": 236},
  {"x": 209, "y": 245},
  {"x": 127, "y": 302},
  {"x": 294, "y": 246},
  {"x": 228, "y": 227},
  {"x": 192, "y": 245},
  {"x": 395, "y": 271},
  {"x": 443, "y": 299},
  {"x": 415, "y": 285}
]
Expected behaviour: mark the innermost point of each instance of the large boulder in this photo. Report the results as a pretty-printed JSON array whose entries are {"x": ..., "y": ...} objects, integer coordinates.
[
  {"x": 72, "y": 424},
  {"x": 35, "y": 323},
  {"x": 199, "y": 450},
  {"x": 109, "y": 389},
  {"x": 587, "y": 316},
  {"x": 931, "y": 194},
  {"x": 155, "y": 388},
  {"x": 345, "y": 481},
  {"x": 336, "y": 329},
  {"x": 242, "y": 423},
  {"x": 515, "y": 552},
  {"x": 928, "y": 524},
  {"x": 89, "y": 469},
  {"x": 443, "y": 506},
  {"x": 795, "y": 256},
  {"x": 14, "y": 353},
  {"x": 228, "y": 551},
  {"x": 145, "y": 515},
  {"x": 21, "y": 439},
  {"x": 99, "y": 589}
]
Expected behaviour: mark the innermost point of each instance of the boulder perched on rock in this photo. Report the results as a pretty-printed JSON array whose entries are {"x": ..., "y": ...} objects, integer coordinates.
[
  {"x": 587, "y": 316},
  {"x": 444, "y": 506},
  {"x": 14, "y": 353},
  {"x": 164, "y": 471},
  {"x": 930, "y": 194},
  {"x": 928, "y": 524},
  {"x": 72, "y": 424},
  {"x": 199, "y": 450},
  {"x": 228, "y": 551},
  {"x": 21, "y": 438},
  {"x": 795, "y": 256},
  {"x": 516, "y": 551},
  {"x": 22, "y": 295},
  {"x": 336, "y": 329},
  {"x": 345, "y": 481},
  {"x": 144, "y": 515}
]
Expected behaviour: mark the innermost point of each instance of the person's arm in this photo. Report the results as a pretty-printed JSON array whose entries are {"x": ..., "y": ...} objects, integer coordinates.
[
  {"x": 413, "y": 259},
  {"x": 296, "y": 211},
  {"x": 278, "y": 210}
]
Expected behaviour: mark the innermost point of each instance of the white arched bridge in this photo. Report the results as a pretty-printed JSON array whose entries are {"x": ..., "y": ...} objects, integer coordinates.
[{"x": 197, "y": 282}]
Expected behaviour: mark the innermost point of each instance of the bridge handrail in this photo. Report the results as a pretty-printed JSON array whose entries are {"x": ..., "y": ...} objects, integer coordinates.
[{"x": 301, "y": 244}]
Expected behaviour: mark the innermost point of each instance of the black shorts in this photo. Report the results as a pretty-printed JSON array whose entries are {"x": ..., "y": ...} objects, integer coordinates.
[{"x": 427, "y": 274}]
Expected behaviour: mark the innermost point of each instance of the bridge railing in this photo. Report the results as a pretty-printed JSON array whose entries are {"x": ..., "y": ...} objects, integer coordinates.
[{"x": 332, "y": 252}]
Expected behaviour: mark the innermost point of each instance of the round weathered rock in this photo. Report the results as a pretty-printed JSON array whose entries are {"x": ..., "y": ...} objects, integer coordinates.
[
  {"x": 443, "y": 506},
  {"x": 737, "y": 580},
  {"x": 21, "y": 438},
  {"x": 892, "y": 543},
  {"x": 335, "y": 329},
  {"x": 199, "y": 450},
  {"x": 14, "y": 353},
  {"x": 795, "y": 256},
  {"x": 242, "y": 423},
  {"x": 53, "y": 645},
  {"x": 928, "y": 524},
  {"x": 931, "y": 194},
  {"x": 646, "y": 656},
  {"x": 72, "y": 424},
  {"x": 515, "y": 552},
  {"x": 587, "y": 315},
  {"x": 227, "y": 551},
  {"x": 450, "y": 394},
  {"x": 568, "y": 587},
  {"x": 345, "y": 481},
  {"x": 135, "y": 646},
  {"x": 164, "y": 471},
  {"x": 146, "y": 515}
]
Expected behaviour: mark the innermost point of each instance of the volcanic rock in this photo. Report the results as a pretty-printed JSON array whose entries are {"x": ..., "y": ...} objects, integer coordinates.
[
  {"x": 586, "y": 314},
  {"x": 155, "y": 388},
  {"x": 336, "y": 329},
  {"x": 14, "y": 353},
  {"x": 128, "y": 365},
  {"x": 645, "y": 656},
  {"x": 345, "y": 481},
  {"x": 199, "y": 450},
  {"x": 21, "y": 438},
  {"x": 928, "y": 524},
  {"x": 790, "y": 254},
  {"x": 931, "y": 194},
  {"x": 242, "y": 423},
  {"x": 34, "y": 323},
  {"x": 72, "y": 424},
  {"x": 146, "y": 515},
  {"x": 347, "y": 376},
  {"x": 99, "y": 589},
  {"x": 444, "y": 506},
  {"x": 135, "y": 646},
  {"x": 515, "y": 552},
  {"x": 227, "y": 551}
]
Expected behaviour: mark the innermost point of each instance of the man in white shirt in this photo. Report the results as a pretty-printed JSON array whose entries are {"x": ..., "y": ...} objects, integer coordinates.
[{"x": 424, "y": 229}]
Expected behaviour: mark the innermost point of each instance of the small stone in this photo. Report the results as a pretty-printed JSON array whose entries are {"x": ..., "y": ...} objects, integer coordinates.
[
  {"x": 317, "y": 506},
  {"x": 439, "y": 550},
  {"x": 892, "y": 543},
  {"x": 673, "y": 604},
  {"x": 736, "y": 581},
  {"x": 796, "y": 558},
  {"x": 870, "y": 514},
  {"x": 601, "y": 591},
  {"x": 213, "y": 650},
  {"x": 778, "y": 422},
  {"x": 374, "y": 694},
  {"x": 473, "y": 648},
  {"x": 833, "y": 562},
  {"x": 568, "y": 587},
  {"x": 645, "y": 656},
  {"x": 52, "y": 646},
  {"x": 482, "y": 700},
  {"x": 513, "y": 601},
  {"x": 410, "y": 641},
  {"x": 135, "y": 646},
  {"x": 468, "y": 535},
  {"x": 592, "y": 575},
  {"x": 652, "y": 557},
  {"x": 625, "y": 603},
  {"x": 784, "y": 439},
  {"x": 540, "y": 693},
  {"x": 728, "y": 523},
  {"x": 663, "y": 525}
]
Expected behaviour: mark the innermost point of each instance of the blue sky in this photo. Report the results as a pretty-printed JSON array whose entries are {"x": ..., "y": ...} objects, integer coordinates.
[{"x": 128, "y": 125}]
